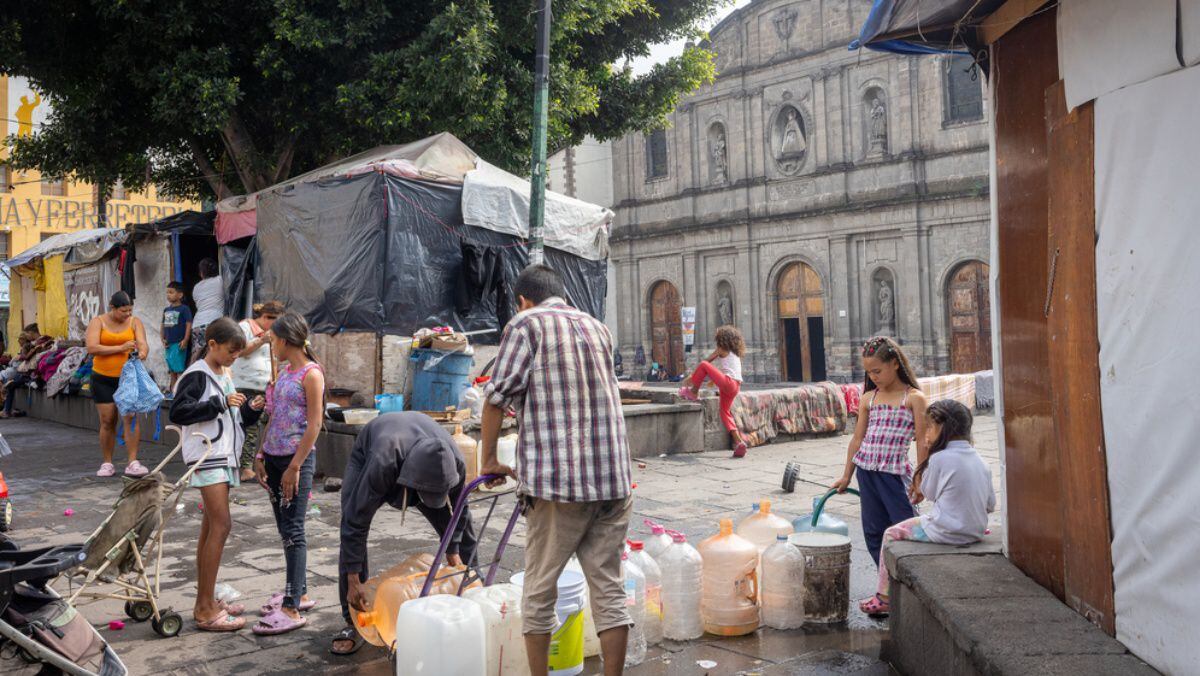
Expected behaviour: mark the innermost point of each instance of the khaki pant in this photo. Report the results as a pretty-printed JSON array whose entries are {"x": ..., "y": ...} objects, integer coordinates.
[{"x": 595, "y": 531}]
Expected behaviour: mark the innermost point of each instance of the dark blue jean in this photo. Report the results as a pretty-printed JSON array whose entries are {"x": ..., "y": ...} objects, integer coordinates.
[
  {"x": 885, "y": 503},
  {"x": 289, "y": 518}
]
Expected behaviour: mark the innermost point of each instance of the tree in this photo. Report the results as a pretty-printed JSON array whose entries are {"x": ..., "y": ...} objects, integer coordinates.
[{"x": 220, "y": 97}]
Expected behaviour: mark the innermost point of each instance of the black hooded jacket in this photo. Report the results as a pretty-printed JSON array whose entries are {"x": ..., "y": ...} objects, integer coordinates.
[{"x": 394, "y": 452}]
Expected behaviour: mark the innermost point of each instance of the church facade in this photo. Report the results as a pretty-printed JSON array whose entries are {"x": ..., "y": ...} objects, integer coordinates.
[{"x": 813, "y": 197}]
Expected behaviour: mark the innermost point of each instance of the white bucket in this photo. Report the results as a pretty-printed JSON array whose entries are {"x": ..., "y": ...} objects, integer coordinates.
[{"x": 566, "y": 641}]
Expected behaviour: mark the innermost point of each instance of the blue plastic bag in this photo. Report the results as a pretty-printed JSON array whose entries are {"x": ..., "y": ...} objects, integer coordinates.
[{"x": 136, "y": 392}]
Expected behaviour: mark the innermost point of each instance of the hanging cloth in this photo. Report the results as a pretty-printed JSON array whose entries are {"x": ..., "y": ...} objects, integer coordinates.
[
  {"x": 127, "y": 258},
  {"x": 15, "y": 323},
  {"x": 483, "y": 277},
  {"x": 55, "y": 321}
]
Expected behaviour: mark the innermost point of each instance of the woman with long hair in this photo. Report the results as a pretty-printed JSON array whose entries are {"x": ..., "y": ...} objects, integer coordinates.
[{"x": 112, "y": 338}]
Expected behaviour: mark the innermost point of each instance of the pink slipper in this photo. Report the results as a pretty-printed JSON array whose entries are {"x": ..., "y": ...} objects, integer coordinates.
[
  {"x": 875, "y": 606},
  {"x": 232, "y": 609},
  {"x": 739, "y": 451},
  {"x": 136, "y": 469},
  {"x": 686, "y": 392},
  {"x": 276, "y": 602},
  {"x": 106, "y": 469},
  {"x": 277, "y": 623}
]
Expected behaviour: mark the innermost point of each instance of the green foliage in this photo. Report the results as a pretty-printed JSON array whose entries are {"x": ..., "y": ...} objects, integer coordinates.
[{"x": 220, "y": 97}]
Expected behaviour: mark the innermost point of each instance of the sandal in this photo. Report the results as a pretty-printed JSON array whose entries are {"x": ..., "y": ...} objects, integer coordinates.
[
  {"x": 277, "y": 623},
  {"x": 686, "y": 392},
  {"x": 106, "y": 470},
  {"x": 876, "y": 606},
  {"x": 136, "y": 470},
  {"x": 232, "y": 609},
  {"x": 221, "y": 623},
  {"x": 739, "y": 451},
  {"x": 276, "y": 602},
  {"x": 346, "y": 634}
]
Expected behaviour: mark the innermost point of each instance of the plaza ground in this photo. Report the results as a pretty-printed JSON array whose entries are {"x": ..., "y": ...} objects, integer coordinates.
[{"x": 52, "y": 466}]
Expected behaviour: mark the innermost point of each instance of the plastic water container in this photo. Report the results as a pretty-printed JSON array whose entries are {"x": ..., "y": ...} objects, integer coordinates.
[
  {"x": 472, "y": 400},
  {"x": 417, "y": 563},
  {"x": 826, "y": 576},
  {"x": 506, "y": 450},
  {"x": 389, "y": 403},
  {"x": 634, "y": 582},
  {"x": 653, "y": 605},
  {"x": 782, "y": 585},
  {"x": 378, "y": 625},
  {"x": 501, "y": 608},
  {"x": 438, "y": 378},
  {"x": 470, "y": 451},
  {"x": 762, "y": 527},
  {"x": 591, "y": 641},
  {"x": 826, "y": 523},
  {"x": 682, "y": 576},
  {"x": 729, "y": 594},
  {"x": 439, "y": 635},
  {"x": 658, "y": 541},
  {"x": 566, "y": 641}
]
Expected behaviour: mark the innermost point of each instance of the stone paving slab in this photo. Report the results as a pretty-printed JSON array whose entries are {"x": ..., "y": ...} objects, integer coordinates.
[{"x": 52, "y": 465}]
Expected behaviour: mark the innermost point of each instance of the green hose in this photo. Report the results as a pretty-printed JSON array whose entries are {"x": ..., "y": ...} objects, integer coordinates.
[{"x": 821, "y": 505}]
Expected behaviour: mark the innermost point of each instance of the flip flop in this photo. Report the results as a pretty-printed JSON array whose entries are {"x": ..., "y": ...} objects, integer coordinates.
[
  {"x": 347, "y": 634},
  {"x": 232, "y": 609},
  {"x": 277, "y": 623},
  {"x": 221, "y": 623},
  {"x": 276, "y": 602}
]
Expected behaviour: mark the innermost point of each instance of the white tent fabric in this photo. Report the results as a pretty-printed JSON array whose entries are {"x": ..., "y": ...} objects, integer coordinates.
[
  {"x": 497, "y": 200},
  {"x": 1148, "y": 313},
  {"x": 1104, "y": 45}
]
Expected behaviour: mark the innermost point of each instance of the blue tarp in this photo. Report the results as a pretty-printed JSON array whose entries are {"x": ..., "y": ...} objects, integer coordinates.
[{"x": 923, "y": 26}]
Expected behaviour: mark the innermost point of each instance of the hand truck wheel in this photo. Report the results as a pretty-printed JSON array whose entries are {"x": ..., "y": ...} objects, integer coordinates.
[{"x": 790, "y": 473}]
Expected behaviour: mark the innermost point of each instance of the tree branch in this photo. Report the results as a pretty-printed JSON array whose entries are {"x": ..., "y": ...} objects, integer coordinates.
[
  {"x": 240, "y": 147},
  {"x": 284, "y": 166},
  {"x": 215, "y": 181}
]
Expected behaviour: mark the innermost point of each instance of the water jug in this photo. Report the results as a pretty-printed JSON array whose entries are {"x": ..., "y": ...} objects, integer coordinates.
[
  {"x": 653, "y": 606},
  {"x": 591, "y": 641},
  {"x": 825, "y": 523},
  {"x": 506, "y": 450},
  {"x": 440, "y": 635},
  {"x": 472, "y": 400},
  {"x": 762, "y": 527},
  {"x": 501, "y": 607},
  {"x": 729, "y": 594},
  {"x": 782, "y": 585},
  {"x": 378, "y": 625},
  {"x": 470, "y": 452},
  {"x": 417, "y": 563},
  {"x": 635, "y": 603},
  {"x": 682, "y": 577},
  {"x": 658, "y": 541},
  {"x": 566, "y": 641}
]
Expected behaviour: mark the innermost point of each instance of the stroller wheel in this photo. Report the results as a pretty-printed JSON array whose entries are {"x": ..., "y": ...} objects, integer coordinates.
[
  {"x": 168, "y": 625},
  {"x": 790, "y": 473},
  {"x": 6, "y": 511},
  {"x": 140, "y": 611}
]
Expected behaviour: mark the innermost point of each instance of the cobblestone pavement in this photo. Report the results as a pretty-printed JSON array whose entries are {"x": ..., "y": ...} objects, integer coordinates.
[{"x": 50, "y": 471}]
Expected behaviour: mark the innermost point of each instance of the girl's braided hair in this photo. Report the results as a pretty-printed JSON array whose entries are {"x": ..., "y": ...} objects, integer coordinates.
[{"x": 887, "y": 350}]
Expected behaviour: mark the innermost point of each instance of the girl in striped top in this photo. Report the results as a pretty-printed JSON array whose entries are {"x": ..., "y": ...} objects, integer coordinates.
[{"x": 890, "y": 416}]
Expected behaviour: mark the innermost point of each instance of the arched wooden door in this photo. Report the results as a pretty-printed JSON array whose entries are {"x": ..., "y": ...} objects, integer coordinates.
[
  {"x": 968, "y": 305},
  {"x": 801, "y": 307},
  {"x": 666, "y": 328}
]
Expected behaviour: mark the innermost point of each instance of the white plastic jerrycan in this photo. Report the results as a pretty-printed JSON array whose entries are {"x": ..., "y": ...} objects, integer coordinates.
[{"x": 438, "y": 635}]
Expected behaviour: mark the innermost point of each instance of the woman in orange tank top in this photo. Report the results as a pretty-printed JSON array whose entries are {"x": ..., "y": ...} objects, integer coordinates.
[{"x": 111, "y": 339}]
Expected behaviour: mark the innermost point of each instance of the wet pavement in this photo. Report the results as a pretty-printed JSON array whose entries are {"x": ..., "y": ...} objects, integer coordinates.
[{"x": 51, "y": 471}]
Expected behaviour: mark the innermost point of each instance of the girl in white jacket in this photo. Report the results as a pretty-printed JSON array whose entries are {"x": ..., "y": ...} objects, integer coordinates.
[
  {"x": 957, "y": 483},
  {"x": 207, "y": 404}
]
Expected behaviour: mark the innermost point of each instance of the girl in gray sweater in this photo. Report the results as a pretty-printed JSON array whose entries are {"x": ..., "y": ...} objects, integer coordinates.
[{"x": 957, "y": 483}]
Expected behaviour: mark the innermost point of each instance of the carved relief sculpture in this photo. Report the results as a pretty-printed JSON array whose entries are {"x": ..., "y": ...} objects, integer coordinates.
[
  {"x": 791, "y": 144},
  {"x": 878, "y": 136},
  {"x": 794, "y": 142},
  {"x": 717, "y": 154},
  {"x": 785, "y": 23}
]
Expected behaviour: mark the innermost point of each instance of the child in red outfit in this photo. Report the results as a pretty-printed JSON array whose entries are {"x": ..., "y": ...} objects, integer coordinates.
[{"x": 724, "y": 368}]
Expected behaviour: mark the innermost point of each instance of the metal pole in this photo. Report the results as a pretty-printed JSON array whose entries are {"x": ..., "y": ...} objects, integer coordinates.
[{"x": 541, "y": 105}]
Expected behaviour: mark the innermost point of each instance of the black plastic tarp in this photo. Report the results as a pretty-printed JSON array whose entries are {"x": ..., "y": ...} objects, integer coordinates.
[
  {"x": 385, "y": 254},
  {"x": 181, "y": 223}
]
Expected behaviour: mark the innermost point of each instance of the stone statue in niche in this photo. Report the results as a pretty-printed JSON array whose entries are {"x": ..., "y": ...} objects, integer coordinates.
[
  {"x": 791, "y": 144},
  {"x": 794, "y": 142},
  {"x": 724, "y": 305},
  {"x": 717, "y": 152},
  {"x": 785, "y": 23},
  {"x": 887, "y": 308},
  {"x": 878, "y": 136}
]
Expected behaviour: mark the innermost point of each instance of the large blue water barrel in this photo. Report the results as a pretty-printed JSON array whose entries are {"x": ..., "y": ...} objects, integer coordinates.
[{"x": 439, "y": 378}]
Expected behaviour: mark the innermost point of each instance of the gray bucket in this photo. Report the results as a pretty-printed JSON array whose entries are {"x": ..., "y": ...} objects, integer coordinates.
[{"x": 826, "y": 576}]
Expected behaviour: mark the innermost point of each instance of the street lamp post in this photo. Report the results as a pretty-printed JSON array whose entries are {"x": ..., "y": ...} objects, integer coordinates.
[{"x": 541, "y": 106}]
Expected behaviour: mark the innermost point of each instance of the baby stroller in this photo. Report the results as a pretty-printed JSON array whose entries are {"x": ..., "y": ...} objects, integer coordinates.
[
  {"x": 119, "y": 552},
  {"x": 37, "y": 625}
]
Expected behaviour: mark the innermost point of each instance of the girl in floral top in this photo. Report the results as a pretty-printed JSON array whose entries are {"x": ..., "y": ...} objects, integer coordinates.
[
  {"x": 890, "y": 415},
  {"x": 295, "y": 403}
]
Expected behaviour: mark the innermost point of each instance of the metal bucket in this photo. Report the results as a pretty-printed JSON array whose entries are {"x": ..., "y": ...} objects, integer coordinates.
[{"x": 826, "y": 576}]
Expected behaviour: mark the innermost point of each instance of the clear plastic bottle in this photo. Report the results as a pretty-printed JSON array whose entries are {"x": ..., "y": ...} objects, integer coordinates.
[
  {"x": 782, "y": 585},
  {"x": 635, "y": 603},
  {"x": 682, "y": 574},
  {"x": 653, "y": 605},
  {"x": 658, "y": 541},
  {"x": 762, "y": 527},
  {"x": 729, "y": 601}
]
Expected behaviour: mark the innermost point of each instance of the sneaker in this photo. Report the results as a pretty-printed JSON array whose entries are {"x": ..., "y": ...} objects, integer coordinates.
[
  {"x": 136, "y": 469},
  {"x": 686, "y": 392},
  {"x": 106, "y": 469}
]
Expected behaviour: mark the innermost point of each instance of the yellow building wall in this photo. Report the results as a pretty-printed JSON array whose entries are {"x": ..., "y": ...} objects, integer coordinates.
[{"x": 28, "y": 214}]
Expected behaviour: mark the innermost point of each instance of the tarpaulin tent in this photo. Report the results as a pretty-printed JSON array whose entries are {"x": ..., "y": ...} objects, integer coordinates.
[
  {"x": 924, "y": 26},
  {"x": 412, "y": 236}
]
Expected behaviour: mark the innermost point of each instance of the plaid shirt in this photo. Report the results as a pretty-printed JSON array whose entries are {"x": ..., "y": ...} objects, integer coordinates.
[
  {"x": 555, "y": 369},
  {"x": 890, "y": 430}
]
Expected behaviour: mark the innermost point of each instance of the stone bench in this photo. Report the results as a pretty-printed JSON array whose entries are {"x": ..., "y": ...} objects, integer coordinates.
[{"x": 969, "y": 610}]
